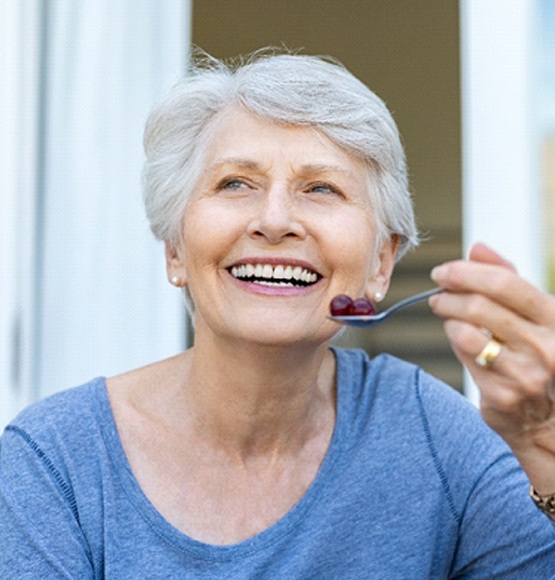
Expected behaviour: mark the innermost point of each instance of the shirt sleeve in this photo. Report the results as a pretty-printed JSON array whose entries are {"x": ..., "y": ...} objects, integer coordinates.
[
  {"x": 40, "y": 533},
  {"x": 501, "y": 533}
]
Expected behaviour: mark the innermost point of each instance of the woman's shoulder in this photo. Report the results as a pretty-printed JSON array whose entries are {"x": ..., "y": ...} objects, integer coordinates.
[
  {"x": 57, "y": 443},
  {"x": 390, "y": 388},
  {"x": 359, "y": 358},
  {"x": 396, "y": 402},
  {"x": 63, "y": 414},
  {"x": 357, "y": 367}
]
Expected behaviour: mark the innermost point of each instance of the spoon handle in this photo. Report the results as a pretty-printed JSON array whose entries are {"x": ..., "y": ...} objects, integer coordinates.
[
  {"x": 411, "y": 300},
  {"x": 363, "y": 321}
]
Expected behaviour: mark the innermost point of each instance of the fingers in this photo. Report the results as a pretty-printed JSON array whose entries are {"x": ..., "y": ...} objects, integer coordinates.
[
  {"x": 517, "y": 382},
  {"x": 483, "y": 312},
  {"x": 485, "y": 292},
  {"x": 513, "y": 362},
  {"x": 482, "y": 253},
  {"x": 478, "y": 312},
  {"x": 500, "y": 284},
  {"x": 468, "y": 341}
]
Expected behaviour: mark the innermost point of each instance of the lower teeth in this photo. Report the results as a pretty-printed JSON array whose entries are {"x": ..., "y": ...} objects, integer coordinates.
[{"x": 268, "y": 283}]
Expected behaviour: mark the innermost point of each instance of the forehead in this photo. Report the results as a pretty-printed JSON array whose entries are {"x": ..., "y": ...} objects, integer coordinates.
[{"x": 238, "y": 136}]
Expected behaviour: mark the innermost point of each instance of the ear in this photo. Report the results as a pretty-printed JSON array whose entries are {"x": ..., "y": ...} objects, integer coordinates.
[
  {"x": 378, "y": 285},
  {"x": 175, "y": 267}
]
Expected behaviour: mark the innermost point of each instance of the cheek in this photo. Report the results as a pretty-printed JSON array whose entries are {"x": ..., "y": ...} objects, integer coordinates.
[
  {"x": 209, "y": 231},
  {"x": 199, "y": 228},
  {"x": 196, "y": 244},
  {"x": 354, "y": 242}
]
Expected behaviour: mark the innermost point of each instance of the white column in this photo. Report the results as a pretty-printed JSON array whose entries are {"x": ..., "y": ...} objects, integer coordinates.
[{"x": 501, "y": 197}]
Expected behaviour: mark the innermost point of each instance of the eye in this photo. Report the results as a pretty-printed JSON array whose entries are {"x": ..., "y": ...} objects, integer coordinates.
[
  {"x": 324, "y": 188},
  {"x": 231, "y": 184}
]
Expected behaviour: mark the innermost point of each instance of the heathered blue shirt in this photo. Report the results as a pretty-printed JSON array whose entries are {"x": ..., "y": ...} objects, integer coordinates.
[{"x": 414, "y": 486}]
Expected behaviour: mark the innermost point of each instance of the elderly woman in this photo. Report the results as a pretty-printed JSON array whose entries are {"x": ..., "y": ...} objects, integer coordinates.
[{"x": 277, "y": 183}]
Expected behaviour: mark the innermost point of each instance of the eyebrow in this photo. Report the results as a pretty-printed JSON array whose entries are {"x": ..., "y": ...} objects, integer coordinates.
[
  {"x": 310, "y": 168},
  {"x": 237, "y": 161},
  {"x": 323, "y": 168}
]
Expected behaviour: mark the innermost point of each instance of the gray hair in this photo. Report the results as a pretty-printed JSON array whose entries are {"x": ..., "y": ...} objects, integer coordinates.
[{"x": 284, "y": 88}]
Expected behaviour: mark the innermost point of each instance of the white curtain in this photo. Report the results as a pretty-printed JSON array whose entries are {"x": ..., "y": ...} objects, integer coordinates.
[{"x": 91, "y": 297}]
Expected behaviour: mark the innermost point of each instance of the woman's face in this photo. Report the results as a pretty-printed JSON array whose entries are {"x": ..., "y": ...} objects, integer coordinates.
[{"x": 279, "y": 223}]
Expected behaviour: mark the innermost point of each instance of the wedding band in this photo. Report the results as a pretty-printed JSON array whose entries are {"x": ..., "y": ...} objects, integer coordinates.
[{"x": 489, "y": 353}]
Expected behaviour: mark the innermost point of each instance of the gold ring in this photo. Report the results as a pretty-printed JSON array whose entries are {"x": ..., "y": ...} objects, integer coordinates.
[{"x": 489, "y": 353}]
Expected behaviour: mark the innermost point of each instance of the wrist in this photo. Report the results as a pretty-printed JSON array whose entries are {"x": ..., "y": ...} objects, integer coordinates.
[{"x": 539, "y": 465}]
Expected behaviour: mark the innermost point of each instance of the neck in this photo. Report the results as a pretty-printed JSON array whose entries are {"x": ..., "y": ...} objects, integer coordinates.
[{"x": 259, "y": 400}]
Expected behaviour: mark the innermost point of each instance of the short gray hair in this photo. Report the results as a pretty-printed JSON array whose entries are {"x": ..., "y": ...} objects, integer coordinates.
[{"x": 285, "y": 88}]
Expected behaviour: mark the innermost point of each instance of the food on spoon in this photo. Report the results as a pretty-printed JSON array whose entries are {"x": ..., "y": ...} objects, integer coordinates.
[
  {"x": 343, "y": 305},
  {"x": 362, "y": 307}
]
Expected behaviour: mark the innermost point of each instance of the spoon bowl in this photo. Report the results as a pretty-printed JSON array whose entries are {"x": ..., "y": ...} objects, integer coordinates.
[{"x": 374, "y": 319}]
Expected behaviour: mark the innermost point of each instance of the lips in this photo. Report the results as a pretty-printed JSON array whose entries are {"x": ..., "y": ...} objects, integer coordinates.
[{"x": 274, "y": 274}]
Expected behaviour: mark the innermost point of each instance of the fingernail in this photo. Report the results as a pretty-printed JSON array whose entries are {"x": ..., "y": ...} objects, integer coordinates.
[
  {"x": 432, "y": 300},
  {"x": 438, "y": 273}
]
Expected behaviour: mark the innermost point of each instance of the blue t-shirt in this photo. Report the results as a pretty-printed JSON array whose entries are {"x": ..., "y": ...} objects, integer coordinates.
[{"x": 414, "y": 486}]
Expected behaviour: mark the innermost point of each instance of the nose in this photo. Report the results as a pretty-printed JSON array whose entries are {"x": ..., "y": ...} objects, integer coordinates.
[{"x": 277, "y": 217}]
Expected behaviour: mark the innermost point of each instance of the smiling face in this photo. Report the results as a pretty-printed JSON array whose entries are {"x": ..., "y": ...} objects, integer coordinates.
[{"x": 279, "y": 224}]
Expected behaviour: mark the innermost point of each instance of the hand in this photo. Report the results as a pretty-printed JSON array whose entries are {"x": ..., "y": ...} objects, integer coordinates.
[{"x": 486, "y": 298}]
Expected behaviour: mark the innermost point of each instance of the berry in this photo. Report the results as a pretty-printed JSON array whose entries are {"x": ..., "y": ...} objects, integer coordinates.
[
  {"x": 362, "y": 307},
  {"x": 341, "y": 305}
]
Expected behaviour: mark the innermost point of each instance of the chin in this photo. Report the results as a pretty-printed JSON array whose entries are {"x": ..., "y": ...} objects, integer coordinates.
[{"x": 287, "y": 335}]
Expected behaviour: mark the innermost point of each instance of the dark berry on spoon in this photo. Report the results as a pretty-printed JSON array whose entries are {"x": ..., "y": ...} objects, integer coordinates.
[
  {"x": 341, "y": 305},
  {"x": 362, "y": 307}
]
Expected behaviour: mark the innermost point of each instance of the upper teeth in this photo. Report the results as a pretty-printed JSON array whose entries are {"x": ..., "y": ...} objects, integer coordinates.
[{"x": 278, "y": 272}]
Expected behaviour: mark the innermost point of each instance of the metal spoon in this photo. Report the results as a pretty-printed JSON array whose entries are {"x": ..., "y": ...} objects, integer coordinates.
[{"x": 373, "y": 319}]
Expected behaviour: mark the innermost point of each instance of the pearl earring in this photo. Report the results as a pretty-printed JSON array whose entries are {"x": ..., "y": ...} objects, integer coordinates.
[
  {"x": 377, "y": 296},
  {"x": 175, "y": 280}
]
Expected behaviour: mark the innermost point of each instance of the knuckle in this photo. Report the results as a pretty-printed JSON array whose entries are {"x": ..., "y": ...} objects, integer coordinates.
[
  {"x": 534, "y": 382},
  {"x": 544, "y": 347},
  {"x": 503, "y": 281},
  {"x": 524, "y": 401},
  {"x": 477, "y": 306},
  {"x": 463, "y": 337},
  {"x": 505, "y": 401}
]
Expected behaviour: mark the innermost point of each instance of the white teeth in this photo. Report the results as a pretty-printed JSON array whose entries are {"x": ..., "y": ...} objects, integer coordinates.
[{"x": 278, "y": 275}]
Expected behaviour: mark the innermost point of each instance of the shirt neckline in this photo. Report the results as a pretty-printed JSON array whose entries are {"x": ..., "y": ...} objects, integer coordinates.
[{"x": 281, "y": 528}]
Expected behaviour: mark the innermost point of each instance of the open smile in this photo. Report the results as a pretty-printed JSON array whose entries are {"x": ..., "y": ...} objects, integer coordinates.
[{"x": 281, "y": 275}]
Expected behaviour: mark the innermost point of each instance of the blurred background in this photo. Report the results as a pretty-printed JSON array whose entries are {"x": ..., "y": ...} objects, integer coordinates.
[{"x": 471, "y": 84}]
